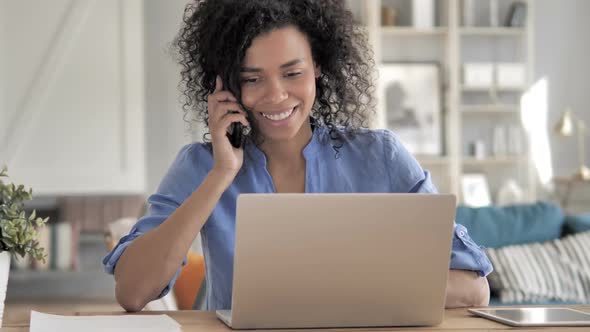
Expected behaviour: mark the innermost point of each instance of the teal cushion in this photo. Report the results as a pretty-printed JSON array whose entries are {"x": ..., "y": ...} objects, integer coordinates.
[
  {"x": 578, "y": 223},
  {"x": 495, "y": 227}
]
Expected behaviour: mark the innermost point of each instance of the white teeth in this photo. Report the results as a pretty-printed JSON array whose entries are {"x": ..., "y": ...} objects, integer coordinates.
[{"x": 279, "y": 116}]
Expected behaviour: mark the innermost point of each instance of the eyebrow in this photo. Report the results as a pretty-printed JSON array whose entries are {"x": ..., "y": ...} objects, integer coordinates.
[{"x": 256, "y": 70}]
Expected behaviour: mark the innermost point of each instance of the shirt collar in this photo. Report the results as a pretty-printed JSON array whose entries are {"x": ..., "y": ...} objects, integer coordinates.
[{"x": 256, "y": 156}]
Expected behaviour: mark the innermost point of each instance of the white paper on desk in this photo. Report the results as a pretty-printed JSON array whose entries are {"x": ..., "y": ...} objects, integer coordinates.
[{"x": 41, "y": 322}]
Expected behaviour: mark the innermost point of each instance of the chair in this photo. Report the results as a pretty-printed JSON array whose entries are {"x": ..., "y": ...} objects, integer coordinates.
[{"x": 190, "y": 281}]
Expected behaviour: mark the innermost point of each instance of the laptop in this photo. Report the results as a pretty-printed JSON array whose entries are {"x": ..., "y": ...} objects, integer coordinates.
[{"x": 340, "y": 260}]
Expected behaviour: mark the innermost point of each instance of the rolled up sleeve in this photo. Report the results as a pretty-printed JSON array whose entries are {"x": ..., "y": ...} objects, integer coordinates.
[
  {"x": 160, "y": 209},
  {"x": 111, "y": 259},
  {"x": 171, "y": 192},
  {"x": 407, "y": 175},
  {"x": 466, "y": 255}
]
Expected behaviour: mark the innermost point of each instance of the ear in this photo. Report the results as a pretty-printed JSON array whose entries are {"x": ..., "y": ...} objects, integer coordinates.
[{"x": 317, "y": 71}]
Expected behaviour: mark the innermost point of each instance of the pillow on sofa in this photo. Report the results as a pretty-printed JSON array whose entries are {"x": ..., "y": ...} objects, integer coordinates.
[
  {"x": 495, "y": 227},
  {"x": 578, "y": 223},
  {"x": 540, "y": 272}
]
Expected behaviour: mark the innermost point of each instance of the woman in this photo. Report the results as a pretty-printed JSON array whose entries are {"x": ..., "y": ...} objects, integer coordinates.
[{"x": 296, "y": 73}]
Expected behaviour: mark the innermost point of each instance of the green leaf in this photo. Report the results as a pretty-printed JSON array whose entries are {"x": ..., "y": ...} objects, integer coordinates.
[{"x": 18, "y": 233}]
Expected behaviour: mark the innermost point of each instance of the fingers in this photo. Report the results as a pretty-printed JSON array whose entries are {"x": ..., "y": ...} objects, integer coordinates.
[
  {"x": 219, "y": 101},
  {"x": 230, "y": 118},
  {"x": 218, "y": 84},
  {"x": 222, "y": 109},
  {"x": 220, "y": 128},
  {"x": 220, "y": 95}
]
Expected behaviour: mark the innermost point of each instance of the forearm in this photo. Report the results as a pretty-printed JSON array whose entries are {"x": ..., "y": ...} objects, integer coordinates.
[
  {"x": 151, "y": 260},
  {"x": 466, "y": 289}
]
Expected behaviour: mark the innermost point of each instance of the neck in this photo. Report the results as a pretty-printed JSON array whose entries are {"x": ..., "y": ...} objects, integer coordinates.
[{"x": 288, "y": 153}]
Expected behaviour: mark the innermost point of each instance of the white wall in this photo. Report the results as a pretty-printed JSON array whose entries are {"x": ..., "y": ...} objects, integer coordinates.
[
  {"x": 165, "y": 129},
  {"x": 562, "y": 50},
  {"x": 563, "y": 56},
  {"x": 73, "y": 96},
  {"x": 3, "y": 64}
]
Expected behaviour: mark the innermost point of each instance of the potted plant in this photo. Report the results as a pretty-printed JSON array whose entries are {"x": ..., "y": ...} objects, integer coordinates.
[{"x": 18, "y": 232}]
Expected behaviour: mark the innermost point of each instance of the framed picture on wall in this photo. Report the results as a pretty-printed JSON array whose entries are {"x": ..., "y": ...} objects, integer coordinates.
[
  {"x": 410, "y": 96},
  {"x": 475, "y": 190}
]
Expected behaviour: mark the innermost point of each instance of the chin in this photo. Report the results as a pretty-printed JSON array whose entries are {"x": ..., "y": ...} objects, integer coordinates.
[{"x": 286, "y": 130}]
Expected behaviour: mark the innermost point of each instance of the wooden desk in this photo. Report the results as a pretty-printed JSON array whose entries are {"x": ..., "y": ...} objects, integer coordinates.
[{"x": 455, "y": 320}]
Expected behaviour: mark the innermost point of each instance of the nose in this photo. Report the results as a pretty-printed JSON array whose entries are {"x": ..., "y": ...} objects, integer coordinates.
[{"x": 275, "y": 92}]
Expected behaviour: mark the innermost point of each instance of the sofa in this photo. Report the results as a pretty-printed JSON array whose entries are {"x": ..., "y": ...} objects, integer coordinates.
[{"x": 540, "y": 254}]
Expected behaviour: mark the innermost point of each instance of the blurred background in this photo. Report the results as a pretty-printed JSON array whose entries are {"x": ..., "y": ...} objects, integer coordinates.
[{"x": 90, "y": 113}]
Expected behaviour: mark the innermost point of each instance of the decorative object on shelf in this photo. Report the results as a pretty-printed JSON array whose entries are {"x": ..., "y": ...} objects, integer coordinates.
[
  {"x": 462, "y": 36},
  {"x": 475, "y": 190},
  {"x": 510, "y": 193},
  {"x": 409, "y": 93},
  {"x": 564, "y": 187},
  {"x": 18, "y": 232},
  {"x": 388, "y": 16},
  {"x": 510, "y": 75},
  {"x": 565, "y": 128},
  {"x": 477, "y": 149},
  {"x": 423, "y": 14},
  {"x": 478, "y": 75},
  {"x": 516, "y": 146},
  {"x": 500, "y": 146},
  {"x": 494, "y": 13},
  {"x": 517, "y": 15},
  {"x": 468, "y": 13}
]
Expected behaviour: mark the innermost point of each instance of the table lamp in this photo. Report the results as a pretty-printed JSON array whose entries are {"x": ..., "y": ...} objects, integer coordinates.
[{"x": 565, "y": 128}]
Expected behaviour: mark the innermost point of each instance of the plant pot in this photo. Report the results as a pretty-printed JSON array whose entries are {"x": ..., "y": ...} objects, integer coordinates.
[{"x": 4, "y": 269}]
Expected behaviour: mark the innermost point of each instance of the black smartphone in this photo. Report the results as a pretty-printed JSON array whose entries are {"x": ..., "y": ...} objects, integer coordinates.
[{"x": 237, "y": 132}]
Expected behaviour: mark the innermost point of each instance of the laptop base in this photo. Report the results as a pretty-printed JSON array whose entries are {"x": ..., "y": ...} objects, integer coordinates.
[{"x": 224, "y": 316}]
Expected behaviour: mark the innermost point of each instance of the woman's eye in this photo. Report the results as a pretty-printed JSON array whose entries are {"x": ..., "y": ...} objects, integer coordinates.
[
  {"x": 252, "y": 80},
  {"x": 249, "y": 80}
]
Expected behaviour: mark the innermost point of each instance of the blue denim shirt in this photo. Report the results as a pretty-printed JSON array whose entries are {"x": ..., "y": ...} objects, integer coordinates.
[{"x": 373, "y": 161}]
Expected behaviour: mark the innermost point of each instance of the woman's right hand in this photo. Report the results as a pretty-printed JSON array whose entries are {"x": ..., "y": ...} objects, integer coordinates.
[{"x": 220, "y": 105}]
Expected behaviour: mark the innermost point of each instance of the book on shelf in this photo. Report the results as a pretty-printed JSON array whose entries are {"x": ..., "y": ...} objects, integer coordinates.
[
  {"x": 44, "y": 242},
  {"x": 63, "y": 245},
  {"x": 60, "y": 243}
]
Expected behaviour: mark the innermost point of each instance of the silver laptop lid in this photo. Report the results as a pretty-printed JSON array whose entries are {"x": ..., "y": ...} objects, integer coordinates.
[{"x": 341, "y": 260}]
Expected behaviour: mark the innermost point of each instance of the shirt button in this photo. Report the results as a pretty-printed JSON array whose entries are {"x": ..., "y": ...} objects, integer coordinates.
[{"x": 461, "y": 233}]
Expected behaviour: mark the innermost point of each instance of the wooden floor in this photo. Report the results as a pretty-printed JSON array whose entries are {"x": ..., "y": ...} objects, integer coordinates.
[{"x": 20, "y": 311}]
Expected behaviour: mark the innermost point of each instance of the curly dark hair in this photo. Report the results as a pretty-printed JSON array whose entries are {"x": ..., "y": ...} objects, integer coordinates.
[{"x": 215, "y": 35}]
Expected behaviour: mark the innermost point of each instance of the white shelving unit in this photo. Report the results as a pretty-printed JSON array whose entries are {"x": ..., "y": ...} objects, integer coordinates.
[
  {"x": 412, "y": 32},
  {"x": 466, "y": 111},
  {"x": 492, "y": 90},
  {"x": 489, "y": 31},
  {"x": 489, "y": 109}
]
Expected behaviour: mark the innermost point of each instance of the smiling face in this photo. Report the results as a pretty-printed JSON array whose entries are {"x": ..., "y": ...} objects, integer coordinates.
[{"x": 278, "y": 83}]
